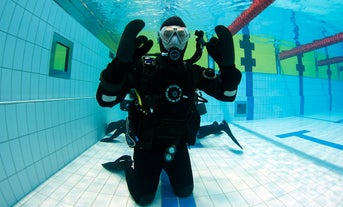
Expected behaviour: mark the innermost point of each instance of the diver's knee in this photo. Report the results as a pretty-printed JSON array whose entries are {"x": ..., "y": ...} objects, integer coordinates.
[
  {"x": 184, "y": 191},
  {"x": 145, "y": 199}
]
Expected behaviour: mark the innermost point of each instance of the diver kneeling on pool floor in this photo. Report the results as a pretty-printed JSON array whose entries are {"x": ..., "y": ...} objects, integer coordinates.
[{"x": 163, "y": 119}]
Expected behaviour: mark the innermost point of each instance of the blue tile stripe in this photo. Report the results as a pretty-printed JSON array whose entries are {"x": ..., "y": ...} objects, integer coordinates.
[
  {"x": 315, "y": 160},
  {"x": 169, "y": 199},
  {"x": 301, "y": 134}
]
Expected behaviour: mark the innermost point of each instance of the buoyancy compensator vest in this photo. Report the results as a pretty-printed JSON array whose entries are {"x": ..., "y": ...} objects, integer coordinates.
[{"x": 165, "y": 106}]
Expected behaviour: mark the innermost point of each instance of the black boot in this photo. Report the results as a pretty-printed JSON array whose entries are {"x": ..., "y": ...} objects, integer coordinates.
[{"x": 119, "y": 164}]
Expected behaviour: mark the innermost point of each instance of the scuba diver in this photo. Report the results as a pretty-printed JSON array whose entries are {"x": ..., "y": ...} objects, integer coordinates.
[
  {"x": 163, "y": 120},
  {"x": 116, "y": 128}
]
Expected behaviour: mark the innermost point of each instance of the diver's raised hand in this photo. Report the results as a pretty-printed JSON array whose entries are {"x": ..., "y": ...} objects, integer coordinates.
[
  {"x": 143, "y": 45},
  {"x": 130, "y": 46},
  {"x": 221, "y": 49},
  {"x": 130, "y": 49}
]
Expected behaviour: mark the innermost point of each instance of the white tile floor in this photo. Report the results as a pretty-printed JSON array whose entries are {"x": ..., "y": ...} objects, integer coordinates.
[{"x": 295, "y": 171}]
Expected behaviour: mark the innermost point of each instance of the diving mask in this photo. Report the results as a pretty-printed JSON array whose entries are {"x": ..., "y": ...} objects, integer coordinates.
[{"x": 174, "y": 36}]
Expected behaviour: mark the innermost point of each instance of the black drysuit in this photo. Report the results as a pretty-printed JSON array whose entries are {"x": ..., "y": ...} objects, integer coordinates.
[{"x": 163, "y": 114}]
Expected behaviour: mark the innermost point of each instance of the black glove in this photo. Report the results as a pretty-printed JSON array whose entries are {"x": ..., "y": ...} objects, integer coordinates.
[
  {"x": 143, "y": 45},
  {"x": 130, "y": 49},
  {"x": 130, "y": 46},
  {"x": 221, "y": 49}
]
